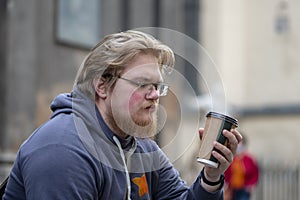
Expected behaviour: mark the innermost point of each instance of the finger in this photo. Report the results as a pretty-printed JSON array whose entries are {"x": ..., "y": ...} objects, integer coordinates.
[
  {"x": 232, "y": 140},
  {"x": 224, "y": 151},
  {"x": 201, "y": 131},
  {"x": 238, "y": 135},
  {"x": 230, "y": 136},
  {"x": 224, "y": 163}
]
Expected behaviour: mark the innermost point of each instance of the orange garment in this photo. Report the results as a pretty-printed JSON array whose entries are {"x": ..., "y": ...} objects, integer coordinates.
[
  {"x": 238, "y": 177},
  {"x": 243, "y": 172}
]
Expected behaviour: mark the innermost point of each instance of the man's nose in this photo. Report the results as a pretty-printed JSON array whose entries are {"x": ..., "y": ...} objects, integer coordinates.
[{"x": 153, "y": 93}]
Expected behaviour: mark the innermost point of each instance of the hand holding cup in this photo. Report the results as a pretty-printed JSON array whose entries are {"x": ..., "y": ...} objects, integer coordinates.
[{"x": 214, "y": 139}]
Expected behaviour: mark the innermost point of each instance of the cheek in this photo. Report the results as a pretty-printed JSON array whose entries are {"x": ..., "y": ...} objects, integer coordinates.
[{"x": 135, "y": 100}]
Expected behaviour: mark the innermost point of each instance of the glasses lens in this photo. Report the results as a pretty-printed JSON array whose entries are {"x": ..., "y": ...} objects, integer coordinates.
[{"x": 163, "y": 90}]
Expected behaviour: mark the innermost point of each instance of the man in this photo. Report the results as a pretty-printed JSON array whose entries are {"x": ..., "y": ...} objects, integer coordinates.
[{"x": 97, "y": 143}]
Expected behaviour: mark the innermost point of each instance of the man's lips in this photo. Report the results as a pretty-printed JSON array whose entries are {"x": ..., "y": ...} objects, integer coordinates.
[{"x": 151, "y": 108}]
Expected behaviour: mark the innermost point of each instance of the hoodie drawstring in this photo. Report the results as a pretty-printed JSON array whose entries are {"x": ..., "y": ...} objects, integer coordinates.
[{"x": 125, "y": 166}]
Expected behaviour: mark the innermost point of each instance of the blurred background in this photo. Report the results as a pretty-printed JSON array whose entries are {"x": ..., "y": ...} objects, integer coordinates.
[{"x": 253, "y": 47}]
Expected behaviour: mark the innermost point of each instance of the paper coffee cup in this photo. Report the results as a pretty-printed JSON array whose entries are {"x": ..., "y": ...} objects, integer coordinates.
[{"x": 214, "y": 126}]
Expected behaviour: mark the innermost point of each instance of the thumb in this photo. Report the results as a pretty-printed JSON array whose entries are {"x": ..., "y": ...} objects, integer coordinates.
[{"x": 201, "y": 131}]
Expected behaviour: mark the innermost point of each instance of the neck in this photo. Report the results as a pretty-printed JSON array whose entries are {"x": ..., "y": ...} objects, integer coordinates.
[{"x": 110, "y": 122}]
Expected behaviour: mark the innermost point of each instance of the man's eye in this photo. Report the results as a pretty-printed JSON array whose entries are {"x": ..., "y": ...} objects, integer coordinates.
[{"x": 143, "y": 85}]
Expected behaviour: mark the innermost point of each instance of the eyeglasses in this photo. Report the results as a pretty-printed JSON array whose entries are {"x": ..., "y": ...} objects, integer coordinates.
[{"x": 161, "y": 88}]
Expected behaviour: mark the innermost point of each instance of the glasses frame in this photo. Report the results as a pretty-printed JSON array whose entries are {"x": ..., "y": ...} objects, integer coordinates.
[{"x": 162, "y": 88}]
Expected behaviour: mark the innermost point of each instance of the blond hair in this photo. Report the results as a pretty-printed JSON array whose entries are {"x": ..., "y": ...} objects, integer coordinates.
[{"x": 111, "y": 55}]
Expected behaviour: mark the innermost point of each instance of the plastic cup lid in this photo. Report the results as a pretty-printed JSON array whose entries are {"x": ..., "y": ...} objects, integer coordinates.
[{"x": 223, "y": 117}]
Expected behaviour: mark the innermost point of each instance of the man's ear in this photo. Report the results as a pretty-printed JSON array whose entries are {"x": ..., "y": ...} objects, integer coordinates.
[{"x": 101, "y": 88}]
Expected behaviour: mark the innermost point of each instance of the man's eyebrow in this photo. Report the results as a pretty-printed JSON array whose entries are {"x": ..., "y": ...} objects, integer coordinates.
[
  {"x": 141, "y": 78},
  {"x": 148, "y": 80}
]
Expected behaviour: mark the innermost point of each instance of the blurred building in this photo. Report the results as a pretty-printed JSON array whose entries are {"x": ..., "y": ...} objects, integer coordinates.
[
  {"x": 255, "y": 45},
  {"x": 248, "y": 63}
]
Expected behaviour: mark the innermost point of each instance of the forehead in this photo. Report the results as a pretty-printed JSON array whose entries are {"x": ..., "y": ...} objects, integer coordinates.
[{"x": 143, "y": 65}]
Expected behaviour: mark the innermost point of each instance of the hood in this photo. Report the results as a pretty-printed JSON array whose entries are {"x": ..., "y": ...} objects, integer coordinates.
[
  {"x": 61, "y": 104},
  {"x": 77, "y": 103},
  {"x": 84, "y": 113}
]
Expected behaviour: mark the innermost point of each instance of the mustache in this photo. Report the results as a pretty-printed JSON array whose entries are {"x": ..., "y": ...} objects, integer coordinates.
[{"x": 151, "y": 104}]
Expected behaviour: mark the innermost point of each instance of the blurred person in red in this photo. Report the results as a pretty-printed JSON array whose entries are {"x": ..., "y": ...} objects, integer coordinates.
[{"x": 242, "y": 175}]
